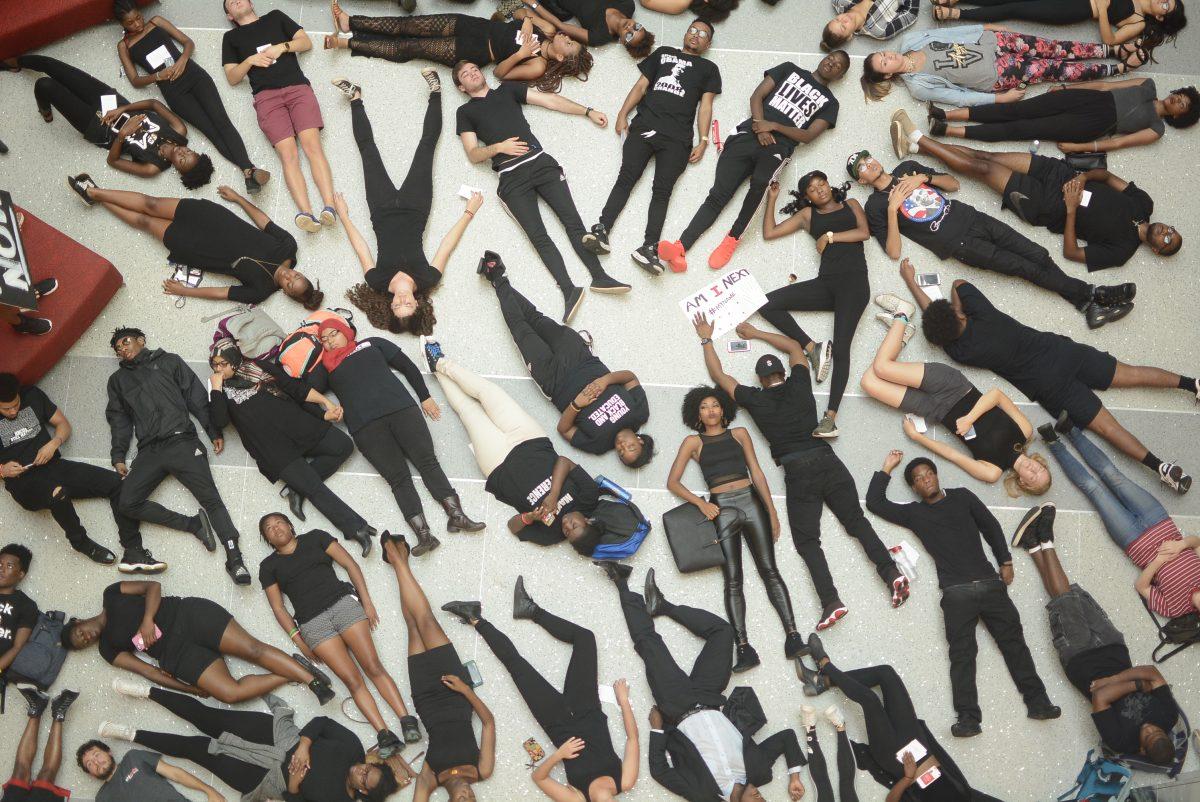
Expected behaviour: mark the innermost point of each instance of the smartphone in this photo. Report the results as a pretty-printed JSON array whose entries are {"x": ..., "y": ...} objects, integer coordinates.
[
  {"x": 139, "y": 642},
  {"x": 915, "y": 748},
  {"x": 925, "y": 780},
  {"x": 120, "y": 122},
  {"x": 465, "y": 191},
  {"x": 188, "y": 276},
  {"x": 928, "y": 280},
  {"x": 970, "y": 435},
  {"x": 534, "y": 751},
  {"x": 738, "y": 346},
  {"x": 473, "y": 674},
  {"x": 918, "y": 422}
]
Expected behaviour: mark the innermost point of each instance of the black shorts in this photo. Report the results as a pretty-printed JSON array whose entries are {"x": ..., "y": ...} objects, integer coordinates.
[
  {"x": 1095, "y": 372},
  {"x": 195, "y": 642},
  {"x": 1036, "y": 196},
  {"x": 37, "y": 791}
]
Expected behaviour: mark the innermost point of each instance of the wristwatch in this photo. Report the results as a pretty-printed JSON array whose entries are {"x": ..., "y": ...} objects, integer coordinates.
[{"x": 705, "y": 341}]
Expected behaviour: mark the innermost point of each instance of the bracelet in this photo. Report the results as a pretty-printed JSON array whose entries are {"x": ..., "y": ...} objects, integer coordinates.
[
  {"x": 468, "y": 211},
  {"x": 706, "y": 341},
  {"x": 588, "y": 113},
  {"x": 703, "y": 139},
  {"x": 829, "y": 236},
  {"x": 576, "y": 407},
  {"x": 293, "y": 633},
  {"x": 287, "y": 47}
]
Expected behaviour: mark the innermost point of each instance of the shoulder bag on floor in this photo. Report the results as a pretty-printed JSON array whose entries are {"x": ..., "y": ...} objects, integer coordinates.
[
  {"x": 41, "y": 658},
  {"x": 694, "y": 540},
  {"x": 1100, "y": 780}
]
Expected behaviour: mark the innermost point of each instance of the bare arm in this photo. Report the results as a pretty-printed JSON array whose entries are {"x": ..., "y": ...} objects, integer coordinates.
[
  {"x": 715, "y": 372},
  {"x": 631, "y": 761},
  {"x": 477, "y": 153},
  {"x": 256, "y": 215},
  {"x": 487, "y": 736},
  {"x": 861, "y": 231},
  {"x": 946, "y": 182},
  {"x": 1071, "y": 249},
  {"x": 342, "y": 557},
  {"x": 687, "y": 450},
  {"x": 187, "y": 780},
  {"x": 1146, "y": 578},
  {"x": 285, "y": 620},
  {"x": 131, "y": 73},
  {"x": 20, "y": 638},
  {"x": 978, "y": 469},
  {"x": 357, "y": 241},
  {"x": 446, "y": 247},
  {"x": 793, "y": 349},
  {"x": 574, "y": 31},
  {"x": 189, "y": 47},
  {"x": 636, "y": 93},
  {"x": 801, "y": 220},
  {"x": 1143, "y": 137},
  {"x": 556, "y": 102},
  {"x": 703, "y": 126},
  {"x": 667, "y": 6},
  {"x": 910, "y": 280}
]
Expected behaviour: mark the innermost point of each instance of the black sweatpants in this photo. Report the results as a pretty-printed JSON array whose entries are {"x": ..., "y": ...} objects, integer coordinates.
[
  {"x": 194, "y": 97},
  {"x": 742, "y": 158},
  {"x": 254, "y": 727},
  {"x": 35, "y": 490},
  {"x": 676, "y": 691},
  {"x": 390, "y": 443},
  {"x": 846, "y": 294},
  {"x": 1068, "y": 115},
  {"x": 963, "y": 607},
  {"x": 1060, "y": 12},
  {"x": 73, "y": 94},
  {"x": 399, "y": 216},
  {"x": 818, "y": 769},
  {"x": 551, "y": 351},
  {"x": 815, "y": 480},
  {"x": 670, "y": 160},
  {"x": 307, "y": 477},
  {"x": 186, "y": 459},
  {"x": 992, "y": 245},
  {"x": 519, "y": 191}
]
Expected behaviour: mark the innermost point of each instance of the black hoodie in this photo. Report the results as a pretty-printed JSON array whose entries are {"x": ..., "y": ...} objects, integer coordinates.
[{"x": 154, "y": 395}]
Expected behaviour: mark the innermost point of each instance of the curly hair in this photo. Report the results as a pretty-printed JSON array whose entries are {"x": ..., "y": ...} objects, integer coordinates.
[
  {"x": 690, "y": 410},
  {"x": 875, "y": 84},
  {"x": 88, "y": 746},
  {"x": 312, "y": 298},
  {"x": 1189, "y": 117},
  {"x": 647, "y": 452},
  {"x": 377, "y": 306},
  {"x": 939, "y": 322},
  {"x": 801, "y": 200},
  {"x": 641, "y": 49},
  {"x": 576, "y": 66},
  {"x": 912, "y": 466},
  {"x": 200, "y": 174},
  {"x": 386, "y": 787},
  {"x": 713, "y": 11},
  {"x": 124, "y": 331}
]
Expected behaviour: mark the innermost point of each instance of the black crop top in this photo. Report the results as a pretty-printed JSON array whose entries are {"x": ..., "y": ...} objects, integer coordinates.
[
  {"x": 1120, "y": 10},
  {"x": 156, "y": 37},
  {"x": 998, "y": 439},
  {"x": 722, "y": 459},
  {"x": 840, "y": 256}
]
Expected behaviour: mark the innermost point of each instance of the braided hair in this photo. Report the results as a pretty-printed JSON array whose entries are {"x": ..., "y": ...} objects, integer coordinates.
[{"x": 801, "y": 199}]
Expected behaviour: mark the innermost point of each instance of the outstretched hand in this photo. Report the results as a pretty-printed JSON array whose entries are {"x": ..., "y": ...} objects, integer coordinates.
[{"x": 704, "y": 326}]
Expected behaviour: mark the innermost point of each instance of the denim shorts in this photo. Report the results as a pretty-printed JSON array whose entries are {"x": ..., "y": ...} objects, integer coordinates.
[
  {"x": 332, "y": 621},
  {"x": 1078, "y": 624}
]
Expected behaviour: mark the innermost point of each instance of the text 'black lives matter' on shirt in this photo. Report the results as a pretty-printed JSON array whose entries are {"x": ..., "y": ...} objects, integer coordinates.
[
  {"x": 497, "y": 116},
  {"x": 272, "y": 28},
  {"x": 17, "y": 611},
  {"x": 796, "y": 100},
  {"x": 678, "y": 81},
  {"x": 22, "y": 437},
  {"x": 524, "y": 478},
  {"x": 927, "y": 216}
]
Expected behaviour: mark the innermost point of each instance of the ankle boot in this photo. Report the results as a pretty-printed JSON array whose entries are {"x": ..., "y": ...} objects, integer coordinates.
[
  {"x": 426, "y": 542},
  {"x": 363, "y": 538},
  {"x": 524, "y": 607},
  {"x": 456, "y": 519},
  {"x": 467, "y": 611}
]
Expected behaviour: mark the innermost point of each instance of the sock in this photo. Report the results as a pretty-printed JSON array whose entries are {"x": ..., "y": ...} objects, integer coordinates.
[
  {"x": 1187, "y": 383},
  {"x": 1152, "y": 462},
  {"x": 915, "y": 136},
  {"x": 900, "y": 316}
]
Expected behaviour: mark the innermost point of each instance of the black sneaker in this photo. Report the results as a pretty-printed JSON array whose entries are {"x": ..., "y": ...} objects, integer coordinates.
[
  {"x": 45, "y": 288},
  {"x": 467, "y": 611},
  {"x": 322, "y": 691},
  {"x": 524, "y": 607},
  {"x": 62, "y": 703},
  {"x": 1046, "y": 430},
  {"x": 80, "y": 184},
  {"x": 608, "y": 285},
  {"x": 389, "y": 744},
  {"x": 318, "y": 675},
  {"x": 1098, "y": 315},
  {"x": 1171, "y": 475},
  {"x": 94, "y": 551},
  {"x": 747, "y": 658},
  {"x": 571, "y": 303},
  {"x": 831, "y": 614},
  {"x": 1044, "y": 712},
  {"x": 237, "y": 570},
  {"x": 646, "y": 257},
  {"x": 37, "y": 326},
  {"x": 794, "y": 646},
  {"x": 1026, "y": 534},
  {"x": 491, "y": 266},
  {"x": 1114, "y": 294},
  {"x": 35, "y": 702},
  {"x": 140, "y": 561},
  {"x": 206, "y": 535},
  {"x": 965, "y": 728},
  {"x": 347, "y": 87},
  {"x": 410, "y": 727},
  {"x": 596, "y": 240},
  {"x": 252, "y": 185}
]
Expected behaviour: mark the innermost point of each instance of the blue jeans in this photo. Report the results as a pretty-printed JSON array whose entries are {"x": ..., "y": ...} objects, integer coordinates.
[{"x": 1126, "y": 509}]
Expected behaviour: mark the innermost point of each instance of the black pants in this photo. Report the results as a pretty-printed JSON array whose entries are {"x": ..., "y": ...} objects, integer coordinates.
[
  {"x": 892, "y": 723},
  {"x": 551, "y": 351},
  {"x": 399, "y": 216},
  {"x": 819, "y": 770},
  {"x": 307, "y": 477},
  {"x": 553, "y": 709},
  {"x": 187, "y": 460},
  {"x": 212, "y": 721},
  {"x": 676, "y": 691},
  {"x": 760, "y": 757},
  {"x": 755, "y": 532},
  {"x": 814, "y": 481},
  {"x": 390, "y": 443},
  {"x": 194, "y": 97},
  {"x": 742, "y": 158},
  {"x": 35, "y": 490},
  {"x": 519, "y": 191},
  {"x": 1054, "y": 11},
  {"x": 963, "y": 607},
  {"x": 73, "y": 94},
  {"x": 845, "y": 294},
  {"x": 1069, "y": 115},
  {"x": 670, "y": 160},
  {"x": 992, "y": 245}
]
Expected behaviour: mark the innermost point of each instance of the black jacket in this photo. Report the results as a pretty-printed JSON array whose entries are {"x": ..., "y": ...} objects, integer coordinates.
[
  {"x": 154, "y": 395},
  {"x": 688, "y": 776}
]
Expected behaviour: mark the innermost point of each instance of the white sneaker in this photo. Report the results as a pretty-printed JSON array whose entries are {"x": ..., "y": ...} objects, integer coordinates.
[
  {"x": 824, "y": 353},
  {"x": 1173, "y": 476},
  {"x": 128, "y": 686},
  {"x": 887, "y": 320},
  {"x": 894, "y": 304},
  {"x": 808, "y": 715},
  {"x": 833, "y": 714},
  {"x": 120, "y": 732}
]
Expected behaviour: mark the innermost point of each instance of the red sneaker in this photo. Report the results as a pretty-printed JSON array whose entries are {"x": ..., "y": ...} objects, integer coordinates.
[
  {"x": 674, "y": 254},
  {"x": 724, "y": 252}
]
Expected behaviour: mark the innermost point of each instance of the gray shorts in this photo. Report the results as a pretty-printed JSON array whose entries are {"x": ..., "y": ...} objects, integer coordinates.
[
  {"x": 1078, "y": 624},
  {"x": 332, "y": 621},
  {"x": 941, "y": 388}
]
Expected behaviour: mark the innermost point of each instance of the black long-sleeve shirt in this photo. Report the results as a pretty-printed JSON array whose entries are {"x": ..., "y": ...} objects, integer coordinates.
[
  {"x": 154, "y": 395},
  {"x": 949, "y": 529},
  {"x": 365, "y": 385},
  {"x": 334, "y": 751}
]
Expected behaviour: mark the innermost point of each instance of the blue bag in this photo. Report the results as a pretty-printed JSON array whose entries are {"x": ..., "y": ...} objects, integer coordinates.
[{"x": 1100, "y": 780}]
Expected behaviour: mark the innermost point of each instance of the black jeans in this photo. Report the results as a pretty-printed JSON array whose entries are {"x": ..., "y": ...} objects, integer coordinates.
[
  {"x": 755, "y": 532},
  {"x": 254, "y": 727},
  {"x": 963, "y": 606},
  {"x": 1059, "y": 12},
  {"x": 670, "y": 160},
  {"x": 760, "y": 758},
  {"x": 819, "y": 770},
  {"x": 194, "y": 97},
  {"x": 35, "y": 490},
  {"x": 390, "y": 443},
  {"x": 892, "y": 723},
  {"x": 519, "y": 191},
  {"x": 72, "y": 93},
  {"x": 552, "y": 352},
  {"x": 399, "y": 216},
  {"x": 845, "y": 294},
  {"x": 992, "y": 245},
  {"x": 743, "y": 158},
  {"x": 676, "y": 691},
  {"x": 187, "y": 460},
  {"x": 817, "y": 479},
  {"x": 307, "y": 477},
  {"x": 1069, "y": 115}
]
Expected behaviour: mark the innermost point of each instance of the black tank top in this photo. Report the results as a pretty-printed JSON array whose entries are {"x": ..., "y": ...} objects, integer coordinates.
[
  {"x": 597, "y": 759},
  {"x": 156, "y": 37},
  {"x": 839, "y": 257},
  {"x": 722, "y": 459},
  {"x": 503, "y": 37},
  {"x": 451, "y": 744},
  {"x": 1120, "y": 10},
  {"x": 998, "y": 439}
]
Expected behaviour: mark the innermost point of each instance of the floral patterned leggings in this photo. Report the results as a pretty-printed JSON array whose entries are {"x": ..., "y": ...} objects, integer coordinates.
[{"x": 1022, "y": 58}]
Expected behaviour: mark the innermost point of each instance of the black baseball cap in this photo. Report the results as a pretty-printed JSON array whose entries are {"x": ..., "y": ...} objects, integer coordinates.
[
  {"x": 768, "y": 364},
  {"x": 854, "y": 162}
]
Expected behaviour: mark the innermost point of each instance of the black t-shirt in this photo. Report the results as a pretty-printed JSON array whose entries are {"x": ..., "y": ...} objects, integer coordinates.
[
  {"x": 1109, "y": 224},
  {"x": 678, "y": 80},
  {"x": 590, "y": 14},
  {"x": 24, "y": 435},
  {"x": 142, "y": 145},
  {"x": 276, "y": 431},
  {"x": 17, "y": 611},
  {"x": 927, "y": 216},
  {"x": 1120, "y": 724},
  {"x": 124, "y": 617},
  {"x": 365, "y": 384},
  {"x": 495, "y": 117},
  {"x": 334, "y": 751},
  {"x": 1094, "y": 664},
  {"x": 524, "y": 477},
  {"x": 617, "y": 408},
  {"x": 272, "y": 28},
  {"x": 796, "y": 100},
  {"x": 306, "y": 576},
  {"x": 424, "y": 276},
  {"x": 786, "y": 414}
]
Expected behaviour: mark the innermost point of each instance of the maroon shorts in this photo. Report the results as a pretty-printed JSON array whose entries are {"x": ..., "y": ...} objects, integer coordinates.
[
  {"x": 38, "y": 791},
  {"x": 283, "y": 113}
]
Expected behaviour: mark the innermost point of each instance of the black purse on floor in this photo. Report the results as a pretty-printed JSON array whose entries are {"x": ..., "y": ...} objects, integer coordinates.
[{"x": 694, "y": 540}]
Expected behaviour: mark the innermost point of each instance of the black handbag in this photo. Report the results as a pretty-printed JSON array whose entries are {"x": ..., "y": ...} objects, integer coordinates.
[
  {"x": 694, "y": 540},
  {"x": 1092, "y": 160}
]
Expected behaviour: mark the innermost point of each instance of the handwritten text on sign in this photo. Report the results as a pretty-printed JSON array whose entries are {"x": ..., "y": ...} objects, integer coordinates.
[{"x": 729, "y": 300}]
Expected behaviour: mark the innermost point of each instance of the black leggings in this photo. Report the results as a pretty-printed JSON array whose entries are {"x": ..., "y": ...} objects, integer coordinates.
[
  {"x": 1068, "y": 115},
  {"x": 73, "y": 93},
  {"x": 212, "y": 721},
  {"x": 199, "y": 104},
  {"x": 743, "y": 158},
  {"x": 433, "y": 37},
  {"x": 845, "y": 294},
  {"x": 892, "y": 723},
  {"x": 1053, "y": 11},
  {"x": 390, "y": 443},
  {"x": 399, "y": 216},
  {"x": 307, "y": 476},
  {"x": 819, "y": 770},
  {"x": 755, "y": 533},
  {"x": 550, "y": 350}
]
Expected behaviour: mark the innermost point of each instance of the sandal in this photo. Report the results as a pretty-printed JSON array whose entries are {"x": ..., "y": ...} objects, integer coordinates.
[
  {"x": 1131, "y": 56},
  {"x": 306, "y": 222},
  {"x": 945, "y": 12},
  {"x": 338, "y": 14}
]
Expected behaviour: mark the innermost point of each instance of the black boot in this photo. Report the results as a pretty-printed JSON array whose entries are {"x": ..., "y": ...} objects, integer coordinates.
[
  {"x": 1047, "y": 432},
  {"x": 524, "y": 607},
  {"x": 35, "y": 702},
  {"x": 363, "y": 538},
  {"x": 656, "y": 604},
  {"x": 410, "y": 728},
  {"x": 1064, "y": 423},
  {"x": 61, "y": 703},
  {"x": 617, "y": 572},
  {"x": 426, "y": 542},
  {"x": 295, "y": 502},
  {"x": 747, "y": 658},
  {"x": 469, "y": 612},
  {"x": 816, "y": 649},
  {"x": 491, "y": 266},
  {"x": 814, "y": 683},
  {"x": 388, "y": 743},
  {"x": 399, "y": 541},
  {"x": 456, "y": 519}
]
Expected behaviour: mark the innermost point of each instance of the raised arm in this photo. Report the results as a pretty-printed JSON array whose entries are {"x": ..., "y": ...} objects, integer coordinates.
[
  {"x": 801, "y": 220},
  {"x": 712, "y": 362},
  {"x": 446, "y": 247},
  {"x": 256, "y": 215},
  {"x": 793, "y": 349},
  {"x": 877, "y": 501}
]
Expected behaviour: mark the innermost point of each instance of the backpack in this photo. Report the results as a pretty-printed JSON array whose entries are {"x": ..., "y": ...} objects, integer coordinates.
[
  {"x": 1182, "y": 629},
  {"x": 256, "y": 334},
  {"x": 42, "y": 657},
  {"x": 300, "y": 351},
  {"x": 620, "y": 518},
  {"x": 1100, "y": 780}
]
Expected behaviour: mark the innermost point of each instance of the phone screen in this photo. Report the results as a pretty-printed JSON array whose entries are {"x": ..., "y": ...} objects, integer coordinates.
[{"x": 928, "y": 280}]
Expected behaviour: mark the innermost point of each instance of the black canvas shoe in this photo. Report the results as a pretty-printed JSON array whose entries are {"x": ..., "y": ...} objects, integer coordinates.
[
  {"x": 1026, "y": 534},
  {"x": 37, "y": 326},
  {"x": 571, "y": 303},
  {"x": 80, "y": 184},
  {"x": 62, "y": 703},
  {"x": 45, "y": 288},
  {"x": 646, "y": 257},
  {"x": 596, "y": 240},
  {"x": 608, "y": 285},
  {"x": 35, "y": 702}
]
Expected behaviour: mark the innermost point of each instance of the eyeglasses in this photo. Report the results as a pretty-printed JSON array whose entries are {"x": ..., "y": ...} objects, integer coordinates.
[
  {"x": 703, "y": 34},
  {"x": 123, "y": 342},
  {"x": 328, "y": 335},
  {"x": 637, "y": 26}
]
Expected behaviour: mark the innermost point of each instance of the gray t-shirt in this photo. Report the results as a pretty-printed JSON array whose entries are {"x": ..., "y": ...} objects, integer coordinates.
[
  {"x": 1135, "y": 108},
  {"x": 136, "y": 779},
  {"x": 971, "y": 66}
]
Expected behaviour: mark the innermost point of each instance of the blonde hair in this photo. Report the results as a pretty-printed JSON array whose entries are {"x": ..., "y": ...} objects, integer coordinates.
[
  {"x": 875, "y": 84},
  {"x": 1012, "y": 482}
]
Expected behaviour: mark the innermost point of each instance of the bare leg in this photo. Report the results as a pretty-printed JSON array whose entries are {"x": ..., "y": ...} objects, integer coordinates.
[
  {"x": 318, "y": 165},
  {"x": 162, "y": 208},
  {"x": 1105, "y": 425},
  {"x": 1139, "y": 376},
  {"x": 414, "y": 604},
  {"x": 1054, "y": 578},
  {"x": 334, "y": 654},
  {"x": 220, "y": 684},
  {"x": 142, "y": 222},
  {"x": 958, "y": 115},
  {"x": 993, "y": 174},
  {"x": 26, "y": 750},
  {"x": 362, "y": 645},
  {"x": 52, "y": 757},
  {"x": 237, "y": 642},
  {"x": 887, "y": 365},
  {"x": 289, "y": 157},
  {"x": 880, "y": 390}
]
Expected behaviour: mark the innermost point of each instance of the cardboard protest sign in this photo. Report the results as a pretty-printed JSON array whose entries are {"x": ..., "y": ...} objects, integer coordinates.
[{"x": 728, "y": 300}]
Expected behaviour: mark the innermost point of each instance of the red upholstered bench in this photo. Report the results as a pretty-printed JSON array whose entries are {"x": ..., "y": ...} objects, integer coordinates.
[
  {"x": 26, "y": 25},
  {"x": 86, "y": 283}
]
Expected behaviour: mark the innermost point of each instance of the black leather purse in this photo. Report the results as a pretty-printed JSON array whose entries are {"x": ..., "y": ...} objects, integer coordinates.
[
  {"x": 1092, "y": 160},
  {"x": 696, "y": 541}
]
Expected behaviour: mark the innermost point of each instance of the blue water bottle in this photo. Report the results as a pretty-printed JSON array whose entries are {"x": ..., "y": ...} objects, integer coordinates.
[{"x": 614, "y": 489}]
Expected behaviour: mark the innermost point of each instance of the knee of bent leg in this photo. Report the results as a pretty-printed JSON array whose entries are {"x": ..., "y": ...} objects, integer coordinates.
[{"x": 870, "y": 381}]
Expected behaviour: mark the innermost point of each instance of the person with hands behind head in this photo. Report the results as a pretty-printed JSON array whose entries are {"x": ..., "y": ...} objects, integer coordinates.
[
  {"x": 600, "y": 22},
  {"x": 972, "y": 590}
]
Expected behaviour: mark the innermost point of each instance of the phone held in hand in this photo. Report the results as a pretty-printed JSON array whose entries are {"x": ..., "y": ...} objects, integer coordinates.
[
  {"x": 474, "y": 677},
  {"x": 928, "y": 279},
  {"x": 139, "y": 642}
]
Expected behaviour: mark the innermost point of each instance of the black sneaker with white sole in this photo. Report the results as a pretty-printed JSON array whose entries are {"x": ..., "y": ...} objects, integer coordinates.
[
  {"x": 1173, "y": 477},
  {"x": 608, "y": 285},
  {"x": 37, "y": 326},
  {"x": 80, "y": 184},
  {"x": 346, "y": 87},
  {"x": 206, "y": 535},
  {"x": 596, "y": 240},
  {"x": 571, "y": 303},
  {"x": 1098, "y": 315},
  {"x": 646, "y": 257},
  {"x": 140, "y": 561},
  {"x": 1114, "y": 294},
  {"x": 45, "y": 288}
]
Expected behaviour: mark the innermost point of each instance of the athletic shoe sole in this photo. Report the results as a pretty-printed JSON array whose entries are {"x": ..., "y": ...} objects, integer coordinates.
[
  {"x": 833, "y": 618},
  {"x": 618, "y": 290},
  {"x": 830, "y": 435},
  {"x": 824, "y": 361},
  {"x": 593, "y": 244},
  {"x": 657, "y": 268},
  {"x": 141, "y": 568},
  {"x": 894, "y": 303},
  {"x": 1029, "y": 520},
  {"x": 573, "y": 308}
]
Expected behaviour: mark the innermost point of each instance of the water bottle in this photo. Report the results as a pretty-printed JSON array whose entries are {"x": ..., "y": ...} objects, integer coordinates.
[
  {"x": 906, "y": 566},
  {"x": 614, "y": 489},
  {"x": 1033, "y": 147}
]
